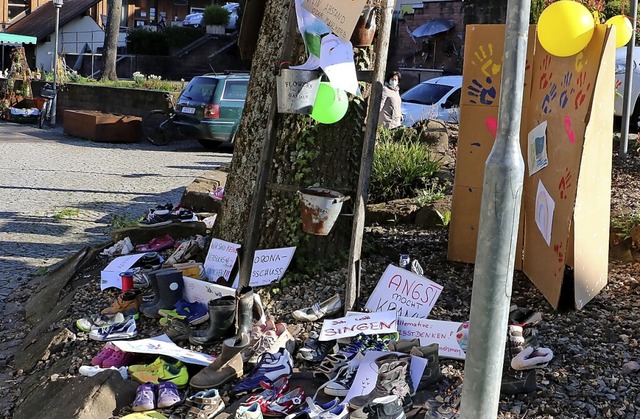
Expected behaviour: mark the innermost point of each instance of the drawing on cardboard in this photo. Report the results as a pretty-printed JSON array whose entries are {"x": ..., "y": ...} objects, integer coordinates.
[
  {"x": 482, "y": 94},
  {"x": 537, "y": 148},
  {"x": 485, "y": 60},
  {"x": 492, "y": 126},
  {"x": 462, "y": 336},
  {"x": 544, "y": 212}
]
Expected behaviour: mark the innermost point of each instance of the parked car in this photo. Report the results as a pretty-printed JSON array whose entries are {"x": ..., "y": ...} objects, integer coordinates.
[
  {"x": 195, "y": 19},
  {"x": 437, "y": 98},
  {"x": 210, "y": 107},
  {"x": 621, "y": 61}
]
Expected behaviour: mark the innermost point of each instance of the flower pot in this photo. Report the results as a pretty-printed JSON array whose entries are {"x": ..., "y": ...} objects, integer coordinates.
[{"x": 365, "y": 29}]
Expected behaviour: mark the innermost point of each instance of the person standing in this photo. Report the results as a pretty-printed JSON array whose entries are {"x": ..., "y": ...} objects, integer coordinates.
[{"x": 390, "y": 114}]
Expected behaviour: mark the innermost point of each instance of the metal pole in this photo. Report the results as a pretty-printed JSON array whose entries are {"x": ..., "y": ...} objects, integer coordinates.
[
  {"x": 382, "y": 47},
  {"x": 628, "y": 79},
  {"x": 54, "y": 102},
  {"x": 498, "y": 231}
]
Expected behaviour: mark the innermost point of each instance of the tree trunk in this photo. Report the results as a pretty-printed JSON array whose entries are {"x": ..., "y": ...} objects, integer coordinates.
[
  {"x": 307, "y": 153},
  {"x": 110, "y": 47}
]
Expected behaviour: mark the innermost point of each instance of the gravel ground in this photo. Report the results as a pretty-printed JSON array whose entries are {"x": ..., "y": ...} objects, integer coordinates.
[{"x": 594, "y": 370}]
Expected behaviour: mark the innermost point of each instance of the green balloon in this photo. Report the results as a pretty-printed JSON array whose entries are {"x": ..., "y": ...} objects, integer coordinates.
[{"x": 331, "y": 104}]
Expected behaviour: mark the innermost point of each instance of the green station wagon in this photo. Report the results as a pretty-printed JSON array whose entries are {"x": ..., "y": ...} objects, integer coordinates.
[{"x": 210, "y": 107}]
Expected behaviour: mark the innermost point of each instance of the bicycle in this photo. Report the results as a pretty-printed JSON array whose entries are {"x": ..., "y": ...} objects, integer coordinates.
[
  {"x": 49, "y": 94},
  {"x": 157, "y": 125}
]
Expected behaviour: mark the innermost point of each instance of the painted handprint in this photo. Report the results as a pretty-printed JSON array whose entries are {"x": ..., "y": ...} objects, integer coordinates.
[
  {"x": 485, "y": 95},
  {"x": 549, "y": 97},
  {"x": 579, "y": 64},
  {"x": 557, "y": 248},
  {"x": 484, "y": 58},
  {"x": 564, "y": 184},
  {"x": 565, "y": 84}
]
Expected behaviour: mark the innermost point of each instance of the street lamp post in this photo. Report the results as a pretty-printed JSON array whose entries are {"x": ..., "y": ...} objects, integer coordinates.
[{"x": 58, "y": 6}]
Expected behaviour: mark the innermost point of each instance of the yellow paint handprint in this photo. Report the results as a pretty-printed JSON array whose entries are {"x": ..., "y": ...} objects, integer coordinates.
[{"x": 484, "y": 58}]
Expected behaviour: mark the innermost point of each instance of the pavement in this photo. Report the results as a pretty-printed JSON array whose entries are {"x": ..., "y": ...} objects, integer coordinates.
[{"x": 59, "y": 193}]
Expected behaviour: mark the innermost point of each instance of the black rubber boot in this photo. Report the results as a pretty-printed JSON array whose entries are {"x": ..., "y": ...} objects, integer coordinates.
[
  {"x": 153, "y": 282},
  {"x": 170, "y": 285},
  {"x": 221, "y": 322},
  {"x": 244, "y": 313}
]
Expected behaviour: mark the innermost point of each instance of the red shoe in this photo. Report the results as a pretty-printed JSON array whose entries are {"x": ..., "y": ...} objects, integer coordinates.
[
  {"x": 156, "y": 244},
  {"x": 270, "y": 393},
  {"x": 286, "y": 404}
]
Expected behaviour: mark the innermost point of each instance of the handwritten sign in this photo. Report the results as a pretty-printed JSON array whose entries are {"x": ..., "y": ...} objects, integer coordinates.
[
  {"x": 370, "y": 324},
  {"x": 268, "y": 265},
  {"x": 452, "y": 337},
  {"x": 162, "y": 345},
  {"x": 409, "y": 294},
  {"x": 220, "y": 259},
  {"x": 340, "y": 15},
  {"x": 110, "y": 275},
  {"x": 203, "y": 292}
]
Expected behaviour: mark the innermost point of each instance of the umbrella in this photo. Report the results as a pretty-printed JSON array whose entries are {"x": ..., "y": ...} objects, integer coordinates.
[{"x": 433, "y": 27}]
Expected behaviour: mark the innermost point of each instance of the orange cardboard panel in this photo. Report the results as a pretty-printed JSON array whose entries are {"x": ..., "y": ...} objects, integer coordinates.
[{"x": 483, "y": 56}]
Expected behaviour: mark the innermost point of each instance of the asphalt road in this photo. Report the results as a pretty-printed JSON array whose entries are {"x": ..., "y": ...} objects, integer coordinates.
[{"x": 45, "y": 172}]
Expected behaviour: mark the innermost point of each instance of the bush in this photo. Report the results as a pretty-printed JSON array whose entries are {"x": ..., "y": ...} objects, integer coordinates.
[
  {"x": 144, "y": 42},
  {"x": 215, "y": 14},
  {"x": 179, "y": 37},
  {"x": 400, "y": 168}
]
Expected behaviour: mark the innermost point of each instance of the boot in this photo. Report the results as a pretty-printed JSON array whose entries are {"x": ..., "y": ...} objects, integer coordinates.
[
  {"x": 170, "y": 285},
  {"x": 403, "y": 345},
  {"x": 387, "y": 407},
  {"x": 392, "y": 373},
  {"x": 221, "y": 322},
  {"x": 431, "y": 373},
  {"x": 244, "y": 310},
  {"x": 231, "y": 347},
  {"x": 212, "y": 377},
  {"x": 153, "y": 282}
]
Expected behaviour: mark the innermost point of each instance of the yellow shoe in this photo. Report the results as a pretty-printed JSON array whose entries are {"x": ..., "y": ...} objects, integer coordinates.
[
  {"x": 177, "y": 375},
  {"x": 155, "y": 365}
]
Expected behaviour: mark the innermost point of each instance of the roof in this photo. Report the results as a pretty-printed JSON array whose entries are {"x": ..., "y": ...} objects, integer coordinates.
[
  {"x": 40, "y": 23},
  {"x": 11, "y": 39}
]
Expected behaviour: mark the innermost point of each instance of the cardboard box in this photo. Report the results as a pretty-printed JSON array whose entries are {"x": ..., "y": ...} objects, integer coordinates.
[{"x": 573, "y": 95}]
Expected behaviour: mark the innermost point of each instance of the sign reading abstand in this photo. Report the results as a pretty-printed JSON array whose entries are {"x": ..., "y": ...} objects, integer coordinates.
[{"x": 340, "y": 15}]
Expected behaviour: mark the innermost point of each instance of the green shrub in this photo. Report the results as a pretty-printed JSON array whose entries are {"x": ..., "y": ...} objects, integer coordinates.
[
  {"x": 400, "y": 168},
  {"x": 179, "y": 37},
  {"x": 144, "y": 42},
  {"x": 430, "y": 195},
  {"x": 215, "y": 14}
]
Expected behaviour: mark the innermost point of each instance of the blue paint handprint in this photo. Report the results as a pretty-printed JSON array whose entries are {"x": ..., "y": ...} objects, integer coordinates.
[
  {"x": 549, "y": 97},
  {"x": 567, "y": 79},
  {"x": 564, "y": 96},
  {"x": 486, "y": 95}
]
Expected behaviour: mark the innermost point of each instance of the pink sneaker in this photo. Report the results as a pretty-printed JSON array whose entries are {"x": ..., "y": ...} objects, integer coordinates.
[
  {"x": 108, "y": 350},
  {"x": 218, "y": 194},
  {"x": 119, "y": 359}
]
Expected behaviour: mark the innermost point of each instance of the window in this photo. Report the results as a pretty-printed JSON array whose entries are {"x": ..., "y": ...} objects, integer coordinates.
[
  {"x": 235, "y": 90},
  {"x": 196, "y": 10},
  {"x": 16, "y": 7}
]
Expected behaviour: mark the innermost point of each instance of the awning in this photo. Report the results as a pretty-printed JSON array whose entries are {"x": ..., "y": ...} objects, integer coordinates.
[
  {"x": 433, "y": 27},
  {"x": 12, "y": 39}
]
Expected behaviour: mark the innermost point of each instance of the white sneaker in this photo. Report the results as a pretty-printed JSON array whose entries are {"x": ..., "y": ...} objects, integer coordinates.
[
  {"x": 252, "y": 411},
  {"x": 318, "y": 311},
  {"x": 91, "y": 370}
]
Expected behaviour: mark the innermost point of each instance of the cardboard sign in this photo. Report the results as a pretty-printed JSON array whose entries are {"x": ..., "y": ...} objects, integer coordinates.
[
  {"x": 199, "y": 291},
  {"x": 162, "y": 345},
  {"x": 340, "y": 15},
  {"x": 369, "y": 324},
  {"x": 451, "y": 336},
  {"x": 367, "y": 373},
  {"x": 270, "y": 265},
  {"x": 220, "y": 259},
  {"x": 110, "y": 275},
  {"x": 409, "y": 294}
]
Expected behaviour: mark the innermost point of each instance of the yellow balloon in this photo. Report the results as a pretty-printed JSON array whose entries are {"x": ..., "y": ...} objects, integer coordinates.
[
  {"x": 624, "y": 29},
  {"x": 565, "y": 28}
]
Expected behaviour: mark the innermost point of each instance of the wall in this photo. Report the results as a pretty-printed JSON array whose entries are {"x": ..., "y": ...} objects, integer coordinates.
[{"x": 419, "y": 53}]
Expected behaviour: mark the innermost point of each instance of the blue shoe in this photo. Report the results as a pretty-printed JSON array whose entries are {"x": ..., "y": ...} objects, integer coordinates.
[
  {"x": 270, "y": 367},
  {"x": 194, "y": 313}
]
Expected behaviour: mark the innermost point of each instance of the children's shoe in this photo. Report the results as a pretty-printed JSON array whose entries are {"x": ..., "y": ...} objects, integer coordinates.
[
  {"x": 269, "y": 368},
  {"x": 194, "y": 313},
  {"x": 183, "y": 215},
  {"x": 286, "y": 404},
  {"x": 91, "y": 370},
  {"x": 156, "y": 244},
  {"x": 251, "y": 411},
  {"x": 159, "y": 363},
  {"x": 119, "y": 331},
  {"x": 119, "y": 359},
  {"x": 319, "y": 310},
  {"x": 271, "y": 392},
  {"x": 316, "y": 351},
  {"x": 516, "y": 382},
  {"x": 156, "y": 218},
  {"x": 105, "y": 353},
  {"x": 96, "y": 321},
  {"x": 186, "y": 251},
  {"x": 218, "y": 193},
  {"x": 145, "y": 398},
  {"x": 530, "y": 358},
  {"x": 126, "y": 303},
  {"x": 342, "y": 382},
  {"x": 167, "y": 395},
  {"x": 177, "y": 375},
  {"x": 204, "y": 404}
]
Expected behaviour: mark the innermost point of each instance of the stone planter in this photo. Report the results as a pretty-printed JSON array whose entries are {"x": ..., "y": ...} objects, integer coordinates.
[{"x": 215, "y": 29}]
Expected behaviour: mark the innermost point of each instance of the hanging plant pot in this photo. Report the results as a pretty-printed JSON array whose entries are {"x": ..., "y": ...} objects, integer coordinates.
[
  {"x": 297, "y": 90},
  {"x": 319, "y": 208},
  {"x": 365, "y": 29}
]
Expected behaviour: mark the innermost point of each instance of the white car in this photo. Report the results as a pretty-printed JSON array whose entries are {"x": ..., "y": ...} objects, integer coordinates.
[
  {"x": 195, "y": 19},
  {"x": 621, "y": 61},
  {"x": 437, "y": 98}
]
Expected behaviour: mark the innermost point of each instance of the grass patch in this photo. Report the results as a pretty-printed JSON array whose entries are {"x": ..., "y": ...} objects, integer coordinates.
[
  {"x": 625, "y": 223},
  {"x": 123, "y": 221},
  {"x": 66, "y": 213}
]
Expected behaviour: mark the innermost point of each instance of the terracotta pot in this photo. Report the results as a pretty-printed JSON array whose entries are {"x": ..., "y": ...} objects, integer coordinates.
[{"x": 365, "y": 28}]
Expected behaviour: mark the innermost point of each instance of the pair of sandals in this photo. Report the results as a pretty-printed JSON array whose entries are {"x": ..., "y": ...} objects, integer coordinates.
[{"x": 204, "y": 404}]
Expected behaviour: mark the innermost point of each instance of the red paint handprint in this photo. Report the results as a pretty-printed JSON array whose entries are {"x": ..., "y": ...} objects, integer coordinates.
[
  {"x": 564, "y": 184},
  {"x": 557, "y": 248}
]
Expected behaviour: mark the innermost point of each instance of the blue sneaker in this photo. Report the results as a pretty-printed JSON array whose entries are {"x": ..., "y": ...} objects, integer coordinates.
[
  {"x": 270, "y": 367},
  {"x": 194, "y": 313}
]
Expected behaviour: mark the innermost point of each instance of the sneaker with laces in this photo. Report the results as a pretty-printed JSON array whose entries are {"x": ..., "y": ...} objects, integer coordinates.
[
  {"x": 177, "y": 375},
  {"x": 252, "y": 411},
  {"x": 316, "y": 351},
  {"x": 286, "y": 403},
  {"x": 96, "y": 321},
  {"x": 270, "y": 367},
  {"x": 156, "y": 218},
  {"x": 271, "y": 392},
  {"x": 194, "y": 313},
  {"x": 343, "y": 381},
  {"x": 118, "y": 331},
  {"x": 159, "y": 363}
]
